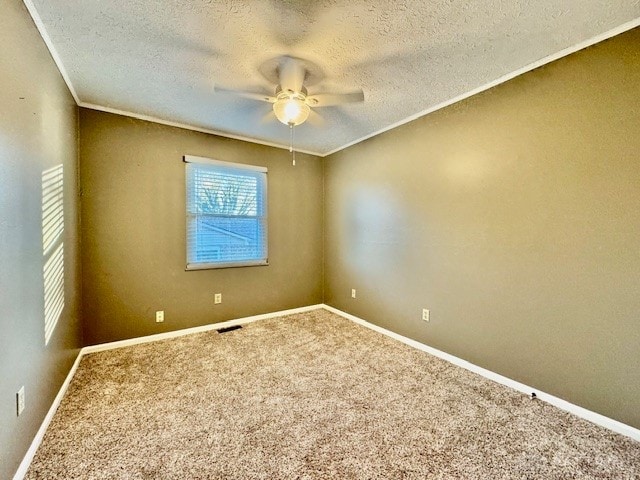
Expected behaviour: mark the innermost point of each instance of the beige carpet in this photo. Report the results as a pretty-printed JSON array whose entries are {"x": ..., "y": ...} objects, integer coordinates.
[{"x": 310, "y": 396}]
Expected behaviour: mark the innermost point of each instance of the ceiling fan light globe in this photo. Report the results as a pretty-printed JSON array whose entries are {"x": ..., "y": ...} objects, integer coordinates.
[{"x": 291, "y": 111}]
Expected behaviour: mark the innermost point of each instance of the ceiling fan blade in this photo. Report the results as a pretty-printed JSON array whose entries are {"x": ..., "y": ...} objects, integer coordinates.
[
  {"x": 268, "y": 117},
  {"x": 291, "y": 73},
  {"x": 316, "y": 119},
  {"x": 244, "y": 94},
  {"x": 330, "y": 99}
]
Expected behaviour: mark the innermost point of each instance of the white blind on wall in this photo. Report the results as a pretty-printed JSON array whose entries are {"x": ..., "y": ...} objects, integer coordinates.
[{"x": 226, "y": 214}]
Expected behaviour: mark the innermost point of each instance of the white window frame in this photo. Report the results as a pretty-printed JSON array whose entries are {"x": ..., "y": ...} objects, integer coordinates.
[{"x": 240, "y": 166}]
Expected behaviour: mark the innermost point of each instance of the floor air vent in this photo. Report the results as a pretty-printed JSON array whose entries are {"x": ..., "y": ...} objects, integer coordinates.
[{"x": 228, "y": 329}]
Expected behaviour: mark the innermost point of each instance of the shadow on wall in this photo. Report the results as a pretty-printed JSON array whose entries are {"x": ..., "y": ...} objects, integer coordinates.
[{"x": 53, "y": 247}]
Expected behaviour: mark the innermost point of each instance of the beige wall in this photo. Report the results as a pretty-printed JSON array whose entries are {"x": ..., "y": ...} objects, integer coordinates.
[
  {"x": 515, "y": 217},
  {"x": 38, "y": 130},
  {"x": 133, "y": 231}
]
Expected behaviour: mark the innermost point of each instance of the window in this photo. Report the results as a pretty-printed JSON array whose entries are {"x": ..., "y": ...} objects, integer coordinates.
[{"x": 226, "y": 214}]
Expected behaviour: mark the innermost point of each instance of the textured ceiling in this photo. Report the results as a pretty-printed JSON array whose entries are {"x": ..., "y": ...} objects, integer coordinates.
[{"x": 162, "y": 58}]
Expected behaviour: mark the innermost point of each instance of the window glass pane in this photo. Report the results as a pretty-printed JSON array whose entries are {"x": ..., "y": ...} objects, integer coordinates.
[{"x": 226, "y": 216}]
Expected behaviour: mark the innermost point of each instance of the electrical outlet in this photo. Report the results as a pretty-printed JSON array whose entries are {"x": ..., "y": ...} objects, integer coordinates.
[
  {"x": 425, "y": 314},
  {"x": 160, "y": 316},
  {"x": 217, "y": 298},
  {"x": 20, "y": 400},
  {"x": 353, "y": 293}
]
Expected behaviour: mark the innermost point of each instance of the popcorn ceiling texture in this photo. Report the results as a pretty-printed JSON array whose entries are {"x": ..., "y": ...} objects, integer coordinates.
[
  {"x": 163, "y": 58},
  {"x": 310, "y": 396}
]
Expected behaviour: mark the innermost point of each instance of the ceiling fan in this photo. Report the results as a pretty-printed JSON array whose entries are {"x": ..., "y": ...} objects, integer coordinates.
[{"x": 291, "y": 101}]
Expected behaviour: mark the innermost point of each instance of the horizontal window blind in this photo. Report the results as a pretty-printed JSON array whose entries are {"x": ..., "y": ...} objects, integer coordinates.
[{"x": 226, "y": 215}]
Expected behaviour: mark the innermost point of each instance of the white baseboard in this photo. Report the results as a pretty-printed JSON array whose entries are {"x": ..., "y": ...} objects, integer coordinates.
[
  {"x": 37, "y": 440},
  {"x": 581, "y": 412},
  {"x": 187, "y": 331}
]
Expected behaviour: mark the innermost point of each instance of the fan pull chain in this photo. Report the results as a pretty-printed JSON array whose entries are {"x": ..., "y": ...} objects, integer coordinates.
[{"x": 293, "y": 152}]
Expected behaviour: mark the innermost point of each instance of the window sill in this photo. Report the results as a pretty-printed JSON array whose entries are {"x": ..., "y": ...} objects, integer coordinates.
[{"x": 215, "y": 266}]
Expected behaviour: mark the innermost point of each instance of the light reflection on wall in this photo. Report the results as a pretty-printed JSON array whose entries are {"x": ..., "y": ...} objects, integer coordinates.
[
  {"x": 377, "y": 230},
  {"x": 52, "y": 247}
]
